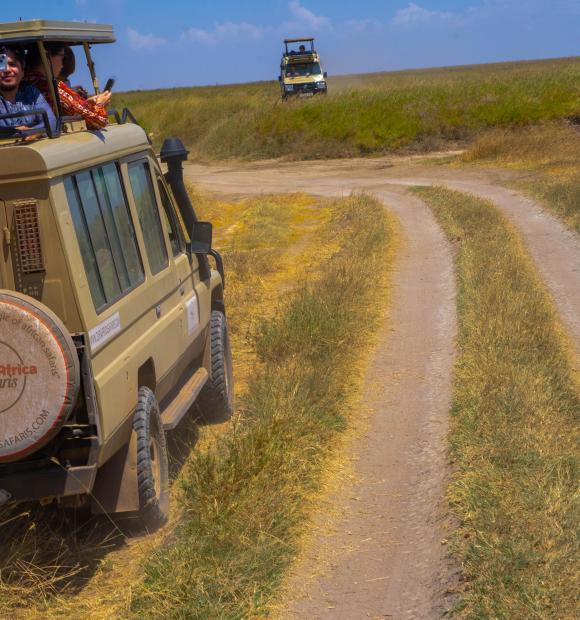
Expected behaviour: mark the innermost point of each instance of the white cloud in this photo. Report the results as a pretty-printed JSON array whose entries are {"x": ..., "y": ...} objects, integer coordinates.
[
  {"x": 242, "y": 29},
  {"x": 363, "y": 25},
  {"x": 307, "y": 17},
  {"x": 198, "y": 35},
  {"x": 139, "y": 41},
  {"x": 224, "y": 31},
  {"x": 413, "y": 14}
]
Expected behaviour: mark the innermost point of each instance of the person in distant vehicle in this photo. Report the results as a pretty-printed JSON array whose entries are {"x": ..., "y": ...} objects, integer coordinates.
[
  {"x": 18, "y": 97},
  {"x": 93, "y": 109},
  {"x": 302, "y": 49}
]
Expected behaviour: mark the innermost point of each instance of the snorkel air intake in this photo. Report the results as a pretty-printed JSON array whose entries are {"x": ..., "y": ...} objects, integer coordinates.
[{"x": 173, "y": 153}]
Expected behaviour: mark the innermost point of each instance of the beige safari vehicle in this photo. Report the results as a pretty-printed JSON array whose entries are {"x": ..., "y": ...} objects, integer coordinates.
[
  {"x": 301, "y": 73},
  {"x": 112, "y": 321}
]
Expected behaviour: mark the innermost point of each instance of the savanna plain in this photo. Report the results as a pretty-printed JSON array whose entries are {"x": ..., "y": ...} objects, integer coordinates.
[{"x": 310, "y": 284}]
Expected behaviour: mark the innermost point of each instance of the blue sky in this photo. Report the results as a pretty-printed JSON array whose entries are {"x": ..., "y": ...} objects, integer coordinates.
[{"x": 164, "y": 43}]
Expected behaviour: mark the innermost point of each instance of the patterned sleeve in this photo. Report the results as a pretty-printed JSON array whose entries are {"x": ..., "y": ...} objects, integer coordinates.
[{"x": 74, "y": 105}]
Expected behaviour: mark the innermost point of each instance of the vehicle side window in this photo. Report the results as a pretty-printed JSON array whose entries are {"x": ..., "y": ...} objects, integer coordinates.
[
  {"x": 171, "y": 221},
  {"x": 146, "y": 204},
  {"x": 105, "y": 233}
]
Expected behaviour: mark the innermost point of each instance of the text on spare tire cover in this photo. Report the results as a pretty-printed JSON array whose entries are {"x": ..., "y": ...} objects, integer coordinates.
[{"x": 33, "y": 379}]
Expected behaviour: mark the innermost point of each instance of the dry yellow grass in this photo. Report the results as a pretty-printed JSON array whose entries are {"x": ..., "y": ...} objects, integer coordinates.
[
  {"x": 44, "y": 567},
  {"x": 271, "y": 246},
  {"x": 247, "y": 496}
]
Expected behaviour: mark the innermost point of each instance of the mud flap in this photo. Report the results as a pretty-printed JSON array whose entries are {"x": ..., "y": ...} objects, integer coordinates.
[{"x": 116, "y": 487}]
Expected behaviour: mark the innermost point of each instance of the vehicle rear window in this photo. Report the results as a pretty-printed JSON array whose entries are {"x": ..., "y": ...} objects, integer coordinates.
[
  {"x": 146, "y": 204},
  {"x": 105, "y": 233}
]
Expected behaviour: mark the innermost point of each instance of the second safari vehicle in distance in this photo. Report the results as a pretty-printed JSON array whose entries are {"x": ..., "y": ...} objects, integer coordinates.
[{"x": 301, "y": 73}]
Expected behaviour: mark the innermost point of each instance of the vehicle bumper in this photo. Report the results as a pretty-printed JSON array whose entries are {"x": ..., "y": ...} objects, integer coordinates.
[
  {"x": 305, "y": 90},
  {"x": 50, "y": 482}
]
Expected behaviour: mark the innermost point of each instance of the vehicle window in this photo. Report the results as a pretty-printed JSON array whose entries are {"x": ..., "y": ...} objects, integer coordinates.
[
  {"x": 148, "y": 215},
  {"x": 171, "y": 221},
  {"x": 105, "y": 233},
  {"x": 303, "y": 69}
]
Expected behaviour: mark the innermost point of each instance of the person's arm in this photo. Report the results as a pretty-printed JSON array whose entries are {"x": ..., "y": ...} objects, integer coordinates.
[{"x": 73, "y": 105}]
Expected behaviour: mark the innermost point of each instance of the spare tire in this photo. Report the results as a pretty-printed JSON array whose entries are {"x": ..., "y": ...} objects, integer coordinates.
[{"x": 39, "y": 375}]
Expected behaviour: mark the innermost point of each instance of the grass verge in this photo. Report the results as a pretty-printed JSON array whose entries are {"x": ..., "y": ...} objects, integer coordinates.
[
  {"x": 548, "y": 159},
  {"x": 417, "y": 110},
  {"x": 246, "y": 497},
  {"x": 55, "y": 565},
  {"x": 514, "y": 433}
]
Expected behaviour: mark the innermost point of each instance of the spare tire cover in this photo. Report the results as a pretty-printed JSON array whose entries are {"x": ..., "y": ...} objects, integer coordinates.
[{"x": 39, "y": 375}]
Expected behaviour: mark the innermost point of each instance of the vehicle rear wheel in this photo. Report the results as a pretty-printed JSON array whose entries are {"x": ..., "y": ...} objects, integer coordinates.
[
  {"x": 152, "y": 462},
  {"x": 216, "y": 397}
]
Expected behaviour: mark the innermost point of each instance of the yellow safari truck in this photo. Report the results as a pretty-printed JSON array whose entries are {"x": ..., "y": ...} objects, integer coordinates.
[
  {"x": 301, "y": 72},
  {"x": 112, "y": 319}
]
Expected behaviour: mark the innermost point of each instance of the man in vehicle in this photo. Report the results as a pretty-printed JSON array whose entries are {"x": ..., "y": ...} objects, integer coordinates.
[{"x": 17, "y": 97}]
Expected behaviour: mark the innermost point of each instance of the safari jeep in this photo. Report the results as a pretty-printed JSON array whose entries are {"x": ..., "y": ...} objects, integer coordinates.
[
  {"x": 112, "y": 322},
  {"x": 300, "y": 70}
]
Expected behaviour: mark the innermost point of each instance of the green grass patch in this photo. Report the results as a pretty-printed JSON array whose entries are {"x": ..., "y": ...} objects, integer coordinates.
[
  {"x": 514, "y": 434},
  {"x": 363, "y": 114},
  {"x": 246, "y": 496}
]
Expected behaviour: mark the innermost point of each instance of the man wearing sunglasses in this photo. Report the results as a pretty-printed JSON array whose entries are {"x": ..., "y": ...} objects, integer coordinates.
[{"x": 17, "y": 97}]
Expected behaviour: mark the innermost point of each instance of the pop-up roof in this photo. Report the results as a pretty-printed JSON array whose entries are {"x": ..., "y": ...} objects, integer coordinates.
[
  {"x": 71, "y": 33},
  {"x": 39, "y": 33},
  {"x": 288, "y": 42}
]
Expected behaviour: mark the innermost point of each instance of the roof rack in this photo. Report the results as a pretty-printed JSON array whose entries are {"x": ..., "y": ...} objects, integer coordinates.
[
  {"x": 7, "y": 133},
  {"x": 71, "y": 33},
  {"x": 307, "y": 39}
]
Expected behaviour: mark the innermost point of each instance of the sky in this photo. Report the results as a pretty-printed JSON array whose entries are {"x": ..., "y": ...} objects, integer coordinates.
[{"x": 165, "y": 43}]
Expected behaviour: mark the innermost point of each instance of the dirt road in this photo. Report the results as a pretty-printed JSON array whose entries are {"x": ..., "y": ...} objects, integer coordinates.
[{"x": 376, "y": 551}]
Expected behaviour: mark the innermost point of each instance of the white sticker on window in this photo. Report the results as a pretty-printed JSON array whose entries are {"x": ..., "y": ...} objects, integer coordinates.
[
  {"x": 103, "y": 332},
  {"x": 192, "y": 314}
]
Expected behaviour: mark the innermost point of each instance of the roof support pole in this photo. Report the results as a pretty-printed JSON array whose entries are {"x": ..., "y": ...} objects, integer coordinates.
[
  {"x": 50, "y": 78},
  {"x": 91, "y": 66}
]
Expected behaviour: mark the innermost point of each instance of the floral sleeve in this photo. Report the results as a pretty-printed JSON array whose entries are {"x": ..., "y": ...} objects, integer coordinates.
[{"x": 74, "y": 105}]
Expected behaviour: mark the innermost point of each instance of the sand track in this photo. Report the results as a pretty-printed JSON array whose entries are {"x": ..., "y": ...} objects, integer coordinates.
[{"x": 384, "y": 557}]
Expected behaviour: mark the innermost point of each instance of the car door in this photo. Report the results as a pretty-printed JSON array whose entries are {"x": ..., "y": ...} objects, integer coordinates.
[
  {"x": 191, "y": 289},
  {"x": 164, "y": 298}
]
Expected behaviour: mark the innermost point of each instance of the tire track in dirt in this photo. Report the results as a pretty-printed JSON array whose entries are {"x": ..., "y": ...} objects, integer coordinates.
[
  {"x": 385, "y": 557},
  {"x": 388, "y": 560},
  {"x": 554, "y": 248},
  {"x": 386, "y": 554}
]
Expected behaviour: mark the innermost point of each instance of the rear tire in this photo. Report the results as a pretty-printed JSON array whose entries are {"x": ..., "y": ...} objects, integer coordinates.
[
  {"x": 152, "y": 462},
  {"x": 216, "y": 397}
]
